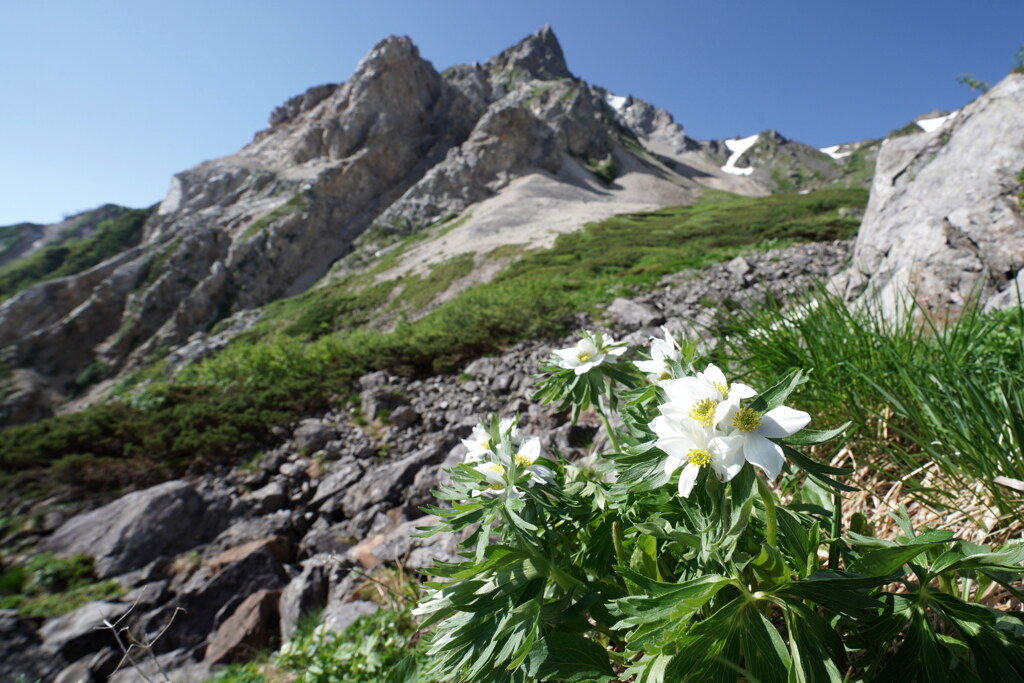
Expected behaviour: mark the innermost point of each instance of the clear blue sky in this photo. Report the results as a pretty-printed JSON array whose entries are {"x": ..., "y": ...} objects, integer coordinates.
[{"x": 104, "y": 100}]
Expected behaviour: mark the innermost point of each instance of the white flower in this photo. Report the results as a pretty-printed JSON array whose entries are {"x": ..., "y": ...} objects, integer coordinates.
[
  {"x": 705, "y": 398},
  {"x": 512, "y": 463},
  {"x": 663, "y": 351},
  {"x": 525, "y": 457},
  {"x": 589, "y": 352},
  {"x": 495, "y": 474},
  {"x": 479, "y": 443},
  {"x": 692, "y": 446},
  {"x": 750, "y": 432}
]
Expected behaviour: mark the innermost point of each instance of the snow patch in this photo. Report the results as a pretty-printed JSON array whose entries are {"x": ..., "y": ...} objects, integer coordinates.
[
  {"x": 615, "y": 102},
  {"x": 834, "y": 152},
  {"x": 738, "y": 146},
  {"x": 928, "y": 125}
]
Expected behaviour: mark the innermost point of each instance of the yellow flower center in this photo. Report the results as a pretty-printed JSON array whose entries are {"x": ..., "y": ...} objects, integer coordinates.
[
  {"x": 583, "y": 356},
  {"x": 665, "y": 375},
  {"x": 746, "y": 419},
  {"x": 723, "y": 389},
  {"x": 704, "y": 411},
  {"x": 698, "y": 457},
  {"x": 522, "y": 460},
  {"x": 496, "y": 468}
]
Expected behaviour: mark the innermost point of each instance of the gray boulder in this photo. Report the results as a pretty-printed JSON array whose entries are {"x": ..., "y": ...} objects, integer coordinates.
[
  {"x": 135, "y": 529},
  {"x": 81, "y": 632}
]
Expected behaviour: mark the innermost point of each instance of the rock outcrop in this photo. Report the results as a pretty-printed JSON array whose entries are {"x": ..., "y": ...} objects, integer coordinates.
[{"x": 944, "y": 220}]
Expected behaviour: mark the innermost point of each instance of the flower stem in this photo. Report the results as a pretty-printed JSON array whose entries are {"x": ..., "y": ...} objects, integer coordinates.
[
  {"x": 607, "y": 426},
  {"x": 609, "y": 432},
  {"x": 771, "y": 531}
]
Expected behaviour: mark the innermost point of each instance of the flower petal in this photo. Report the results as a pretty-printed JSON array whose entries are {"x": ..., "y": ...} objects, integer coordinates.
[
  {"x": 726, "y": 456},
  {"x": 782, "y": 421},
  {"x": 687, "y": 478},
  {"x": 762, "y": 453}
]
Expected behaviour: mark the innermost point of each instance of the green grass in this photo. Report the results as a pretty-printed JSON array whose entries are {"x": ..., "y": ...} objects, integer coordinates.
[
  {"x": 924, "y": 399},
  {"x": 76, "y": 255},
  {"x": 311, "y": 348},
  {"x": 45, "y": 585}
]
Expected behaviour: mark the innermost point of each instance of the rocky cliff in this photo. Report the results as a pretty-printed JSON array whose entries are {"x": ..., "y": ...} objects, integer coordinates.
[{"x": 944, "y": 220}]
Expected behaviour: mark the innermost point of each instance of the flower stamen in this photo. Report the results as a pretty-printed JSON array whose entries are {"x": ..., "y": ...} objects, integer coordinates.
[
  {"x": 583, "y": 356},
  {"x": 698, "y": 457},
  {"x": 522, "y": 460},
  {"x": 704, "y": 411},
  {"x": 723, "y": 389},
  {"x": 746, "y": 420}
]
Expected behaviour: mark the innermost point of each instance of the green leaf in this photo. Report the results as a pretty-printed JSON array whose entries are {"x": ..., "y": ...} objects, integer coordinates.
[
  {"x": 405, "y": 671},
  {"x": 645, "y": 557},
  {"x": 664, "y": 601},
  {"x": 839, "y": 593},
  {"x": 813, "y": 645},
  {"x": 816, "y": 470},
  {"x": 710, "y": 651},
  {"x": 764, "y": 651},
  {"x": 813, "y": 437},
  {"x": 1009, "y": 557},
  {"x": 574, "y": 659},
  {"x": 885, "y": 561},
  {"x": 776, "y": 395}
]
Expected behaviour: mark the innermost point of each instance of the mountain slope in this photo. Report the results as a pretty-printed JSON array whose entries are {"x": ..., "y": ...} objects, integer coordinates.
[{"x": 516, "y": 148}]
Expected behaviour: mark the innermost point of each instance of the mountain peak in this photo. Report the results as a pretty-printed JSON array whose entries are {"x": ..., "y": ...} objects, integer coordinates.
[{"x": 538, "y": 56}]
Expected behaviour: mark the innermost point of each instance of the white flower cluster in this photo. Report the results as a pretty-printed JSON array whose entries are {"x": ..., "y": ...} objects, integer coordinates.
[
  {"x": 506, "y": 459},
  {"x": 704, "y": 423}
]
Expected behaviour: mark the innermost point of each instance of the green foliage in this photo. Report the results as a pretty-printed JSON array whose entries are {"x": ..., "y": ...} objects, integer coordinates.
[
  {"x": 92, "y": 374},
  {"x": 365, "y": 652},
  {"x": 910, "y": 129},
  {"x": 952, "y": 396},
  {"x": 46, "y": 585},
  {"x": 580, "y": 574},
  {"x": 418, "y": 292},
  {"x": 973, "y": 83},
  {"x": 604, "y": 169},
  {"x": 75, "y": 255}
]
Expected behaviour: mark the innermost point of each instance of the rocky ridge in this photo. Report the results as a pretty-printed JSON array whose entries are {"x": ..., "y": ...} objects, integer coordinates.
[
  {"x": 231, "y": 560},
  {"x": 517, "y": 146}
]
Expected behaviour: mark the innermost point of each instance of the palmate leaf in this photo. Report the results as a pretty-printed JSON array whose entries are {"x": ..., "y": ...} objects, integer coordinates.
[
  {"x": 664, "y": 601},
  {"x": 996, "y": 658},
  {"x": 814, "y": 646},
  {"x": 572, "y": 658}
]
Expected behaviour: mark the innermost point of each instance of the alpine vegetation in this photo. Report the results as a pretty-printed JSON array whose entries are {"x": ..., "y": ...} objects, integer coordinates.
[{"x": 673, "y": 556}]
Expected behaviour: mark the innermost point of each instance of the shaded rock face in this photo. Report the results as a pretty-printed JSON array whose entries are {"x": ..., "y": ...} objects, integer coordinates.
[
  {"x": 944, "y": 219},
  {"x": 134, "y": 530}
]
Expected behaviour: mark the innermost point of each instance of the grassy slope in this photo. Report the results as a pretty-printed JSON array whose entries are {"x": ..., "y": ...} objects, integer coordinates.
[
  {"x": 73, "y": 256},
  {"x": 225, "y": 407}
]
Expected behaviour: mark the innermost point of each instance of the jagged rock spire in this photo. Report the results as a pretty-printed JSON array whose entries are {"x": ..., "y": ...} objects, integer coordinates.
[{"x": 538, "y": 56}]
